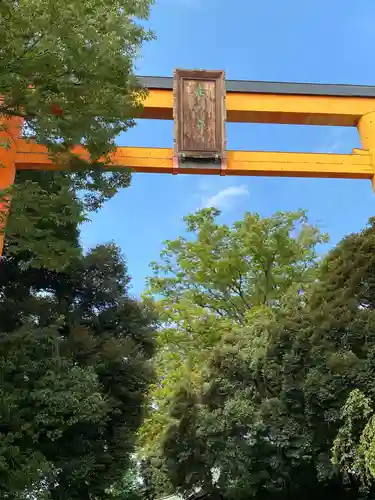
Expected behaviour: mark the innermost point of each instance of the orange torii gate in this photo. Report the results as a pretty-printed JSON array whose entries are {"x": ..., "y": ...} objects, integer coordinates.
[{"x": 200, "y": 103}]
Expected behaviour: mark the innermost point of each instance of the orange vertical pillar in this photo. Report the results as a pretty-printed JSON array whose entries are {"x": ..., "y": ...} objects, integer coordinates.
[
  {"x": 10, "y": 129},
  {"x": 366, "y": 129}
]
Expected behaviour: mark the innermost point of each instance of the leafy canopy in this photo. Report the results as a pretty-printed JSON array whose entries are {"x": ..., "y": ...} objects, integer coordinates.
[
  {"x": 66, "y": 68},
  {"x": 215, "y": 279},
  {"x": 285, "y": 407},
  {"x": 75, "y": 359}
]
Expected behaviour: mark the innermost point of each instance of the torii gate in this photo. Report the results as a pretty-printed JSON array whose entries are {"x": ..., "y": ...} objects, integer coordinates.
[{"x": 201, "y": 102}]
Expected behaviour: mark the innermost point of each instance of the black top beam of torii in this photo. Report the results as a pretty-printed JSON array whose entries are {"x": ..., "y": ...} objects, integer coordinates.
[{"x": 281, "y": 88}]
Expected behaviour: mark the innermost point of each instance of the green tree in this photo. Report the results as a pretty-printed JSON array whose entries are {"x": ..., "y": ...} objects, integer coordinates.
[
  {"x": 210, "y": 282},
  {"x": 155, "y": 479},
  {"x": 72, "y": 341},
  {"x": 75, "y": 353},
  {"x": 128, "y": 488},
  {"x": 286, "y": 404},
  {"x": 66, "y": 67}
]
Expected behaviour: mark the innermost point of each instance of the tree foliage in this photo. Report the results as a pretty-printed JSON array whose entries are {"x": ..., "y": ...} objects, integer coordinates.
[
  {"x": 210, "y": 283},
  {"x": 75, "y": 356},
  {"x": 285, "y": 406},
  {"x": 75, "y": 349},
  {"x": 44, "y": 217},
  {"x": 66, "y": 68}
]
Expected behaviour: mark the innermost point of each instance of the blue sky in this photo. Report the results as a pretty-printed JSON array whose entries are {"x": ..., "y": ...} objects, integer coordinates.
[{"x": 330, "y": 41}]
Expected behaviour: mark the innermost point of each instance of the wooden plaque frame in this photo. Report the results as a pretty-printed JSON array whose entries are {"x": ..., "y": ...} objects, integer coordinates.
[{"x": 199, "y": 113}]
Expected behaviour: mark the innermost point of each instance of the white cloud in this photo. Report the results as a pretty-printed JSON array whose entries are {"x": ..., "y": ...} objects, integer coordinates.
[
  {"x": 224, "y": 199},
  {"x": 338, "y": 140},
  {"x": 330, "y": 148}
]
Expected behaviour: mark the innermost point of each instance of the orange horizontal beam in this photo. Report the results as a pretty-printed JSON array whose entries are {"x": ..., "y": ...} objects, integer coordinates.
[
  {"x": 274, "y": 108},
  {"x": 242, "y": 163}
]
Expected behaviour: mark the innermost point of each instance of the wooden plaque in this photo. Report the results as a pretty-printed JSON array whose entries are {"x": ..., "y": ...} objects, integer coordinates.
[{"x": 199, "y": 117}]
